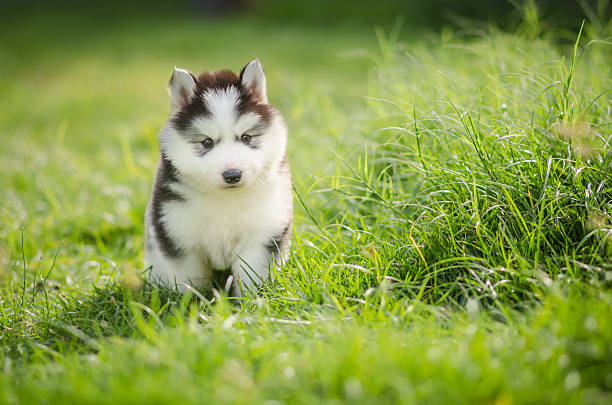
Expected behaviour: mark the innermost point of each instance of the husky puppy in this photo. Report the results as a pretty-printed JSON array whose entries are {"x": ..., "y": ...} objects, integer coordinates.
[{"x": 221, "y": 201}]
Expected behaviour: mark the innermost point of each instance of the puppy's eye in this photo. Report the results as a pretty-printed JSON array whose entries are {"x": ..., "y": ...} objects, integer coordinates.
[
  {"x": 208, "y": 143},
  {"x": 245, "y": 138}
]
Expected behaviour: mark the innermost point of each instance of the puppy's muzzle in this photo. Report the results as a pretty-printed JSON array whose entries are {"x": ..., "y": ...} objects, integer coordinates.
[{"x": 232, "y": 176}]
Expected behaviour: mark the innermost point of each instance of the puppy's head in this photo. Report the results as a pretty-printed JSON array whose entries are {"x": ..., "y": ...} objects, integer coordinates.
[{"x": 222, "y": 133}]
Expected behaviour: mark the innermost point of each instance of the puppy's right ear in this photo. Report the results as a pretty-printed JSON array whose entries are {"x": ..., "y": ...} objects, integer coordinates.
[{"x": 181, "y": 88}]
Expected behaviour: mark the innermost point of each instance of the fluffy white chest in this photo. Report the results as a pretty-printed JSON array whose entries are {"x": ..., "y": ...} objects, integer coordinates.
[{"x": 218, "y": 228}]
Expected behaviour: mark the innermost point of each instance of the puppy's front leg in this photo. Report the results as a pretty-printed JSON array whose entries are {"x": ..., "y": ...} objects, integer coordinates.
[{"x": 176, "y": 272}]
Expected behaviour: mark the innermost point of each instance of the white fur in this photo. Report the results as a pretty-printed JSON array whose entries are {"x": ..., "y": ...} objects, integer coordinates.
[{"x": 219, "y": 227}]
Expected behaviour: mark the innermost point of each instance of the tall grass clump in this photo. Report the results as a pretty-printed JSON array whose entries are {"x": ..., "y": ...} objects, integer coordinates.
[{"x": 486, "y": 175}]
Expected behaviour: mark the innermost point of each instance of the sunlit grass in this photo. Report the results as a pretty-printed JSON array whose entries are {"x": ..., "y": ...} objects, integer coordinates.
[{"x": 453, "y": 236}]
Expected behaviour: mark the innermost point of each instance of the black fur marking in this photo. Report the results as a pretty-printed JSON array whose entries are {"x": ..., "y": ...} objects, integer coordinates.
[
  {"x": 275, "y": 245},
  {"x": 220, "y": 80},
  {"x": 194, "y": 108},
  {"x": 162, "y": 193},
  {"x": 248, "y": 102}
]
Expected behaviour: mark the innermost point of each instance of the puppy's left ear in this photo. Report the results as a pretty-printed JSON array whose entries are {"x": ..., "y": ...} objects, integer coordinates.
[{"x": 252, "y": 76}]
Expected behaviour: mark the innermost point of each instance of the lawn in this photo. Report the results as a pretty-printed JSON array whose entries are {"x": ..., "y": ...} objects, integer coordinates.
[{"x": 453, "y": 197}]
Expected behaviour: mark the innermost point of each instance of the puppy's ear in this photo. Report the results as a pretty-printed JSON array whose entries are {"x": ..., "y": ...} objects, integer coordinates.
[
  {"x": 252, "y": 76},
  {"x": 181, "y": 88}
]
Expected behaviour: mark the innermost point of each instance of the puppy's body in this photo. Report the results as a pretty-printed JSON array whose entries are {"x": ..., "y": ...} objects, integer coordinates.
[{"x": 221, "y": 200}]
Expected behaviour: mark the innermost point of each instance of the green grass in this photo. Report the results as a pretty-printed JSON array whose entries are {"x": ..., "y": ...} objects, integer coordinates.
[{"x": 453, "y": 233}]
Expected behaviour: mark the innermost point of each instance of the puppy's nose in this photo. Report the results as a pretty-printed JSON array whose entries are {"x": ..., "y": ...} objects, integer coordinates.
[{"x": 232, "y": 176}]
